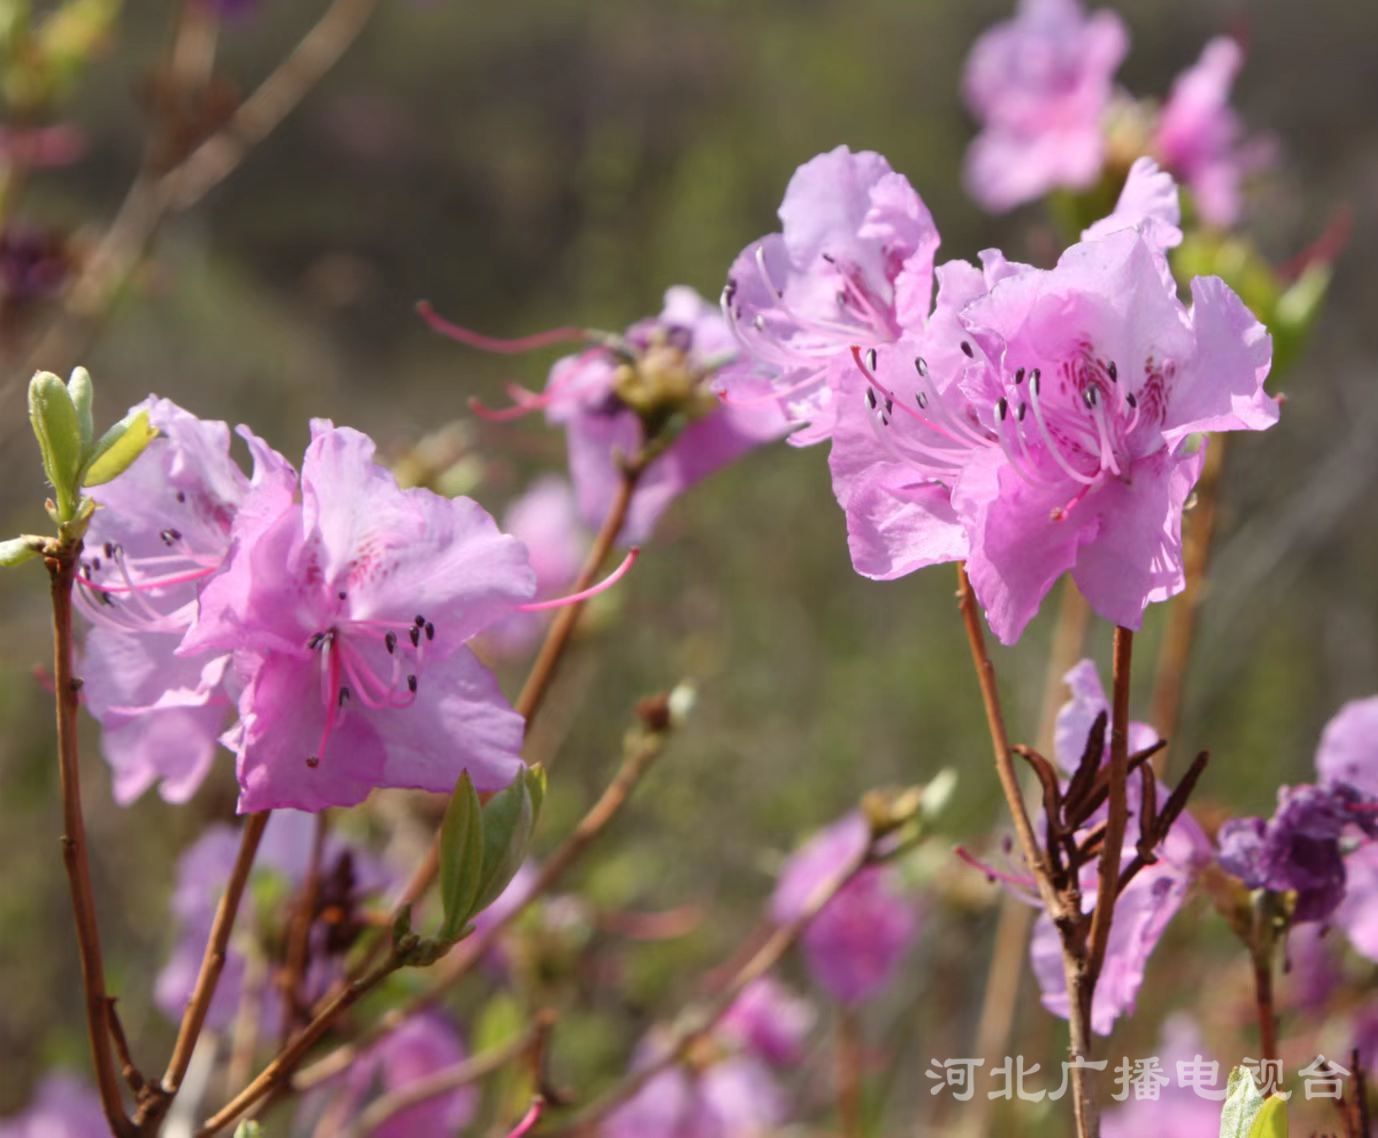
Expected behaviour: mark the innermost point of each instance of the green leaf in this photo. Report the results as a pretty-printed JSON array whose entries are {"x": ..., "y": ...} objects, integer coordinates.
[
  {"x": 508, "y": 820},
  {"x": 536, "y": 783},
  {"x": 1242, "y": 1105},
  {"x": 249, "y": 1128},
  {"x": 461, "y": 856},
  {"x": 18, "y": 550},
  {"x": 118, "y": 448},
  {"x": 1271, "y": 1121},
  {"x": 83, "y": 392},
  {"x": 57, "y": 428}
]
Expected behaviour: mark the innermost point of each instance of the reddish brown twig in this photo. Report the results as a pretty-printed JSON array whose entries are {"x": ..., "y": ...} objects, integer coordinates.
[{"x": 61, "y": 562}]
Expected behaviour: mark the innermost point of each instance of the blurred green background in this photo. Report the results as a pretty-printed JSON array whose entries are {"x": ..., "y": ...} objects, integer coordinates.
[{"x": 528, "y": 164}]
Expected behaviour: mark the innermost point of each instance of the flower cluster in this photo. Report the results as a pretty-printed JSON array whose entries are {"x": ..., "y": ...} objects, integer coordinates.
[
  {"x": 1306, "y": 847},
  {"x": 1042, "y": 87},
  {"x": 727, "y": 1088},
  {"x": 1033, "y": 422},
  {"x": 329, "y": 609}
]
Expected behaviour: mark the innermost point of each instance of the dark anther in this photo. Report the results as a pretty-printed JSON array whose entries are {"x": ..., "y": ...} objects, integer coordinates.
[
  {"x": 415, "y": 634},
  {"x": 1113, "y": 372},
  {"x": 1019, "y": 377},
  {"x": 430, "y": 631},
  {"x": 921, "y": 366},
  {"x": 1023, "y": 410},
  {"x": 110, "y": 550},
  {"x": 1131, "y": 400},
  {"x": 95, "y": 565},
  {"x": 889, "y": 406},
  {"x": 411, "y": 684},
  {"x": 313, "y": 761},
  {"x": 169, "y": 536},
  {"x": 870, "y": 399},
  {"x": 1036, "y": 381},
  {"x": 1002, "y": 409},
  {"x": 871, "y": 358},
  {"x": 316, "y": 641},
  {"x": 420, "y": 622},
  {"x": 966, "y": 351},
  {"x": 342, "y": 594},
  {"x": 922, "y": 401},
  {"x": 390, "y": 641},
  {"x": 1089, "y": 397},
  {"x": 181, "y": 495}
]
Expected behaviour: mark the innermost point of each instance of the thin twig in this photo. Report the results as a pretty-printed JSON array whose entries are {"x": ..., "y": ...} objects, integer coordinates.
[
  {"x": 61, "y": 563},
  {"x": 213, "y": 961},
  {"x": 1063, "y": 915},
  {"x": 281, "y": 1067},
  {"x": 445, "y": 1080},
  {"x": 299, "y": 930}
]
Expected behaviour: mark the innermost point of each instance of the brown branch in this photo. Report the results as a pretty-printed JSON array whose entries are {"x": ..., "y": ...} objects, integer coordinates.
[
  {"x": 213, "y": 961},
  {"x": 129, "y": 1070},
  {"x": 1055, "y": 904},
  {"x": 1107, "y": 892},
  {"x": 850, "y": 1060},
  {"x": 280, "y": 1068},
  {"x": 61, "y": 562}
]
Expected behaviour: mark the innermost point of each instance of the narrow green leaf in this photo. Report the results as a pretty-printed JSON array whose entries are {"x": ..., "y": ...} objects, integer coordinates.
[
  {"x": 16, "y": 551},
  {"x": 58, "y": 431},
  {"x": 118, "y": 448},
  {"x": 1271, "y": 1120},
  {"x": 507, "y": 823},
  {"x": 83, "y": 393},
  {"x": 536, "y": 782},
  {"x": 461, "y": 856},
  {"x": 1242, "y": 1104}
]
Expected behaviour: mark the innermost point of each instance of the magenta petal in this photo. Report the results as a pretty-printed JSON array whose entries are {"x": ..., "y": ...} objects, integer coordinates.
[
  {"x": 1223, "y": 388},
  {"x": 1017, "y": 550},
  {"x": 1348, "y": 750},
  {"x": 1136, "y": 556}
]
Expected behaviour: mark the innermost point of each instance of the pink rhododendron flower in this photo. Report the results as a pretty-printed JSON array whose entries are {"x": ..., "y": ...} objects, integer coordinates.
[
  {"x": 1176, "y": 1109},
  {"x": 853, "y": 264},
  {"x": 1040, "y": 85},
  {"x": 730, "y": 1097},
  {"x": 1043, "y": 424},
  {"x": 546, "y": 520},
  {"x": 1199, "y": 137},
  {"x": 771, "y": 1021},
  {"x": 601, "y": 395},
  {"x": 347, "y": 875},
  {"x": 163, "y": 530},
  {"x": 854, "y": 945},
  {"x": 63, "y": 1107},
  {"x": 422, "y": 1046},
  {"x": 1151, "y": 899},
  {"x": 349, "y": 612}
]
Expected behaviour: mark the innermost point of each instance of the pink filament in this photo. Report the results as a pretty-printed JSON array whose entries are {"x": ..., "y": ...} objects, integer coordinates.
[
  {"x": 529, "y": 1119},
  {"x": 586, "y": 594},
  {"x": 506, "y": 347}
]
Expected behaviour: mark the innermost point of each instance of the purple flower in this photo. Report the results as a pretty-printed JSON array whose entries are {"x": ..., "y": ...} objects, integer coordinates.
[
  {"x": 1044, "y": 423},
  {"x": 546, "y": 520},
  {"x": 1175, "y": 1108},
  {"x": 1040, "y": 85},
  {"x": 349, "y": 613},
  {"x": 605, "y": 399},
  {"x": 720, "y": 1097},
  {"x": 854, "y": 945},
  {"x": 1298, "y": 850},
  {"x": 1348, "y": 750},
  {"x": 1151, "y": 899},
  {"x": 419, "y": 1048},
  {"x": 163, "y": 530},
  {"x": 1199, "y": 137},
  {"x": 347, "y": 875},
  {"x": 771, "y": 1021},
  {"x": 64, "y": 1107},
  {"x": 1357, "y": 913},
  {"x": 853, "y": 264}
]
